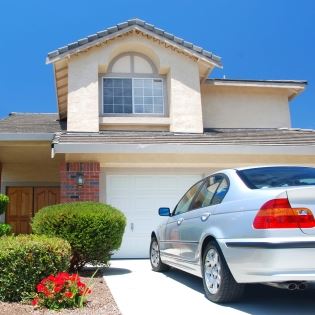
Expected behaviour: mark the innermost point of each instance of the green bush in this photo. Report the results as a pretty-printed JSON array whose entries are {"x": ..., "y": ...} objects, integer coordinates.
[
  {"x": 5, "y": 229},
  {"x": 26, "y": 259},
  {"x": 94, "y": 230},
  {"x": 4, "y": 200}
]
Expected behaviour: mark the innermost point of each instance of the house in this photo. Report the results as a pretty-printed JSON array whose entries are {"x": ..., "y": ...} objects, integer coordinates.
[{"x": 139, "y": 121}]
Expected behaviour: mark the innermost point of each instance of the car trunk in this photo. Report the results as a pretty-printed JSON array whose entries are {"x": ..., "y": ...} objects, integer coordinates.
[{"x": 303, "y": 197}]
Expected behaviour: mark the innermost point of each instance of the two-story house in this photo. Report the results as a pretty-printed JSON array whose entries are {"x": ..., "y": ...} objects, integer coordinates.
[{"x": 138, "y": 122}]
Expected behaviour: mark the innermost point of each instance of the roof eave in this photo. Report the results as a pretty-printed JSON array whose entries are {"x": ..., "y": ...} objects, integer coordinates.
[
  {"x": 26, "y": 136},
  {"x": 294, "y": 86},
  {"x": 176, "y": 148}
]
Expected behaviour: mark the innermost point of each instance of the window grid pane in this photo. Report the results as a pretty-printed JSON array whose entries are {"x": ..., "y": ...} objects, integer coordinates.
[{"x": 133, "y": 95}]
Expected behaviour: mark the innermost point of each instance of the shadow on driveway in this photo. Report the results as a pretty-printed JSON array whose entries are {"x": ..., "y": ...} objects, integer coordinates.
[
  {"x": 259, "y": 299},
  {"x": 114, "y": 271}
]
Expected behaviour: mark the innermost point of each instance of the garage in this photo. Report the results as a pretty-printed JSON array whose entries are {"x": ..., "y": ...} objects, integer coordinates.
[{"x": 139, "y": 197}]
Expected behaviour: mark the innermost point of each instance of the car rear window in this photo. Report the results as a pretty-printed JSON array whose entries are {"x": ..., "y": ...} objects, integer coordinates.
[{"x": 284, "y": 176}]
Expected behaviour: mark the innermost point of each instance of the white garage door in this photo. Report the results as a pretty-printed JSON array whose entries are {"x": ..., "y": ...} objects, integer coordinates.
[{"x": 139, "y": 197}]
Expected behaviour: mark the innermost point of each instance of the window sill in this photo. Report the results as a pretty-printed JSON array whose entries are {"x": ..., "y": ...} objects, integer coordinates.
[{"x": 150, "y": 121}]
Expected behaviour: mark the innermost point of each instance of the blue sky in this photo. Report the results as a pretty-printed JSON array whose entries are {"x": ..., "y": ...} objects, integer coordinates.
[{"x": 257, "y": 39}]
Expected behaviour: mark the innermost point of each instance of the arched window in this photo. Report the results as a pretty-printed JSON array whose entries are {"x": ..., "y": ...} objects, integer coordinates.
[{"x": 132, "y": 85}]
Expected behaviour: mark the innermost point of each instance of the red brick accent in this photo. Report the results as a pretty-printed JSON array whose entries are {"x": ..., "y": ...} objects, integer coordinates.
[{"x": 70, "y": 191}]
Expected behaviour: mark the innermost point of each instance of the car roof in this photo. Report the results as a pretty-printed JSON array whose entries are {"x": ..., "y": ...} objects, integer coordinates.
[{"x": 269, "y": 166}]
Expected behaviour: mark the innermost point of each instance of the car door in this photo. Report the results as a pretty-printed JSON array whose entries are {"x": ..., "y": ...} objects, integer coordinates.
[
  {"x": 171, "y": 244},
  {"x": 198, "y": 216}
]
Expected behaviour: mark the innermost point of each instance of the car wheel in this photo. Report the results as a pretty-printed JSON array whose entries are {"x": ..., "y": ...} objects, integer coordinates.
[
  {"x": 155, "y": 258},
  {"x": 218, "y": 282}
]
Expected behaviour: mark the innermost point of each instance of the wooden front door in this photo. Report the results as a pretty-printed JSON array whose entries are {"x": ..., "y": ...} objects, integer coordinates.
[
  {"x": 20, "y": 209},
  {"x": 45, "y": 196},
  {"x": 25, "y": 202}
]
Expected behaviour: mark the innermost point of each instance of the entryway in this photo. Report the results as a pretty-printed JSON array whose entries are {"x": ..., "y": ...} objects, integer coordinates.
[{"x": 25, "y": 202}]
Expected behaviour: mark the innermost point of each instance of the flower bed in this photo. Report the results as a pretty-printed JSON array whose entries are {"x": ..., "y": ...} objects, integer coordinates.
[{"x": 61, "y": 291}]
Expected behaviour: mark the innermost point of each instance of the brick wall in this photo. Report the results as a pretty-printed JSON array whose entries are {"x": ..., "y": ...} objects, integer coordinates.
[{"x": 70, "y": 191}]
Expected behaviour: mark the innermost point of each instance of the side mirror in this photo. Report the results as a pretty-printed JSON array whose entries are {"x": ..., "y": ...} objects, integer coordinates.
[{"x": 165, "y": 212}]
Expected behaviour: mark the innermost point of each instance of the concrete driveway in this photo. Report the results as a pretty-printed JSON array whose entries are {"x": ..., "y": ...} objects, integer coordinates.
[{"x": 140, "y": 291}]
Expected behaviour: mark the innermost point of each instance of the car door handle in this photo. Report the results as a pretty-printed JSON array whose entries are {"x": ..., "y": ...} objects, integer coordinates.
[
  {"x": 205, "y": 216},
  {"x": 179, "y": 221}
]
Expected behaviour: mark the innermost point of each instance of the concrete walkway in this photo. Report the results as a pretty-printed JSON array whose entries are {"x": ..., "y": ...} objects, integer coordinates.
[{"x": 140, "y": 291}]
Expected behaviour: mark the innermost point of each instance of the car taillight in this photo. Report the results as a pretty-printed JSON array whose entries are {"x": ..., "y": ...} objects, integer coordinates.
[{"x": 278, "y": 214}]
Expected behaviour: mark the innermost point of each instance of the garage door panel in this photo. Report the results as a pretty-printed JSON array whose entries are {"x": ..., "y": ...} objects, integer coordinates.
[{"x": 139, "y": 197}]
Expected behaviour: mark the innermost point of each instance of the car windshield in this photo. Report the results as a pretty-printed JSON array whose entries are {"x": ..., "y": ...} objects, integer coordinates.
[{"x": 282, "y": 176}]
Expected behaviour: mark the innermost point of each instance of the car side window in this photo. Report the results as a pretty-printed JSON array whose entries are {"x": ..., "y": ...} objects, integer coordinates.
[
  {"x": 184, "y": 203},
  {"x": 221, "y": 192},
  {"x": 212, "y": 192}
]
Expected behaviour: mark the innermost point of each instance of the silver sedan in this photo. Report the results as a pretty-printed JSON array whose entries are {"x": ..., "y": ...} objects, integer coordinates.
[{"x": 244, "y": 225}]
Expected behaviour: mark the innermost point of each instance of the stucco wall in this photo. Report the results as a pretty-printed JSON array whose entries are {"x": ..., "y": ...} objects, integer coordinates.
[
  {"x": 189, "y": 160},
  {"x": 244, "y": 107},
  {"x": 182, "y": 75}
]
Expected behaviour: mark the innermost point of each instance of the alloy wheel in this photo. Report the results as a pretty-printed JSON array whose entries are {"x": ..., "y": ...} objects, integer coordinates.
[
  {"x": 212, "y": 271},
  {"x": 155, "y": 255}
]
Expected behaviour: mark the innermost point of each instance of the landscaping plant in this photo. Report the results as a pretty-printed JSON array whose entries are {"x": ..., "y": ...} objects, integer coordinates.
[
  {"x": 4, "y": 200},
  {"x": 61, "y": 291},
  {"x": 5, "y": 229},
  {"x": 94, "y": 230},
  {"x": 26, "y": 259}
]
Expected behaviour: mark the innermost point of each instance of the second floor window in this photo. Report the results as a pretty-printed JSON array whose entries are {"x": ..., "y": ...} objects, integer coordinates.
[
  {"x": 133, "y": 86},
  {"x": 133, "y": 96}
]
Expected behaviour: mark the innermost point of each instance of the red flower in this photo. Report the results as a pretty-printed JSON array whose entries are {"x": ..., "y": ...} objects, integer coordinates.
[
  {"x": 57, "y": 288},
  {"x": 35, "y": 301},
  {"x": 41, "y": 288},
  {"x": 69, "y": 295}
]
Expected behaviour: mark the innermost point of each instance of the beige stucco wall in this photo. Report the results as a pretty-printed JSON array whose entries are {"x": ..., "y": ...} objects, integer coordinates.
[
  {"x": 244, "y": 107},
  {"x": 182, "y": 75},
  {"x": 183, "y": 161}
]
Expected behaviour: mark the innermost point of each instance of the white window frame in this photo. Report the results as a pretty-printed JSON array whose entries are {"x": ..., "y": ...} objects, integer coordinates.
[{"x": 152, "y": 77}]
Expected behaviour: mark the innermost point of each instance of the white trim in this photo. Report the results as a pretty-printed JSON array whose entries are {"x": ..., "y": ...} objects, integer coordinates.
[
  {"x": 182, "y": 148},
  {"x": 135, "y": 120}
]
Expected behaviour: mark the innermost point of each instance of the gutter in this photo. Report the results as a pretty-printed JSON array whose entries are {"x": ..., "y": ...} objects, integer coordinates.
[
  {"x": 26, "y": 136},
  {"x": 181, "y": 148}
]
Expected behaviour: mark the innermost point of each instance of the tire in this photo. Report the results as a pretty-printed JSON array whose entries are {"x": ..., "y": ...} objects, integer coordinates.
[
  {"x": 218, "y": 282},
  {"x": 155, "y": 258}
]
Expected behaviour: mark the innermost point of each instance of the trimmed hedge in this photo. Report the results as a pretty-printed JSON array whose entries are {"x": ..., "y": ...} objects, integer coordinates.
[
  {"x": 4, "y": 200},
  {"x": 94, "y": 230},
  {"x": 26, "y": 259},
  {"x": 5, "y": 229}
]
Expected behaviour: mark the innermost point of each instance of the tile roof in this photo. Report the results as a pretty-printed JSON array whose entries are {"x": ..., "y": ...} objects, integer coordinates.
[
  {"x": 31, "y": 123},
  {"x": 132, "y": 24},
  {"x": 233, "y": 136}
]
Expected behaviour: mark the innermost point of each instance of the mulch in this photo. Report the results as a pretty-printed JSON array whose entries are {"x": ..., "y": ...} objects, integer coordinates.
[{"x": 100, "y": 302}]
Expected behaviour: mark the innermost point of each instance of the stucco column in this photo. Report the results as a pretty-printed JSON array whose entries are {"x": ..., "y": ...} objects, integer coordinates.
[
  {"x": 83, "y": 100},
  {"x": 185, "y": 99}
]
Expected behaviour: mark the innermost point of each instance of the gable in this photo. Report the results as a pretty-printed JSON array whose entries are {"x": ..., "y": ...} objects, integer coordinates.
[
  {"x": 141, "y": 27},
  {"x": 133, "y": 39}
]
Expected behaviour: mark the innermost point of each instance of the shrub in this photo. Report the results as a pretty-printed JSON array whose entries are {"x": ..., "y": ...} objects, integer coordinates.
[
  {"x": 4, "y": 200},
  {"x": 26, "y": 259},
  {"x": 61, "y": 291},
  {"x": 5, "y": 229},
  {"x": 94, "y": 230}
]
